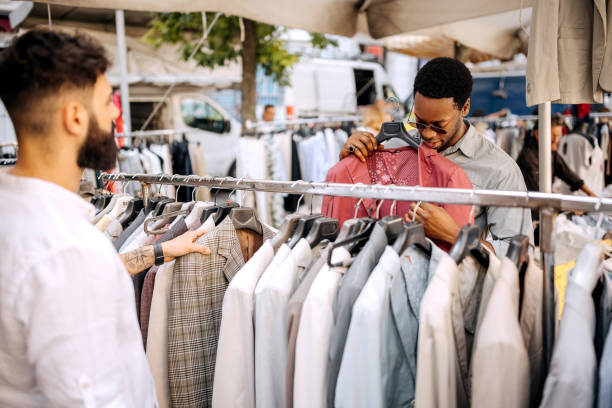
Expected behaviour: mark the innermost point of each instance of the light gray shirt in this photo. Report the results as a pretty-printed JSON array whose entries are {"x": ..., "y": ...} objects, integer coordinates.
[{"x": 489, "y": 168}]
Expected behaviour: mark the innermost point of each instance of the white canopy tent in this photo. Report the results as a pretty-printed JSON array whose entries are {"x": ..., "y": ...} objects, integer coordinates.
[{"x": 383, "y": 17}]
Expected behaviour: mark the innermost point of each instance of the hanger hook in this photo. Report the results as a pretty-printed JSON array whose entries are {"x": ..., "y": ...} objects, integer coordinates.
[
  {"x": 234, "y": 190},
  {"x": 378, "y": 209},
  {"x": 297, "y": 208},
  {"x": 357, "y": 207},
  {"x": 393, "y": 209},
  {"x": 415, "y": 211}
]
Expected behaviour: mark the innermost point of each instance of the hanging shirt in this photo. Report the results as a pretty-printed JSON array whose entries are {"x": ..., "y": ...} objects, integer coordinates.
[
  {"x": 234, "y": 383},
  {"x": 500, "y": 348},
  {"x": 311, "y": 379},
  {"x": 68, "y": 329},
  {"x": 584, "y": 156},
  {"x": 362, "y": 376},
  {"x": 442, "y": 365},
  {"x": 403, "y": 167},
  {"x": 271, "y": 306}
]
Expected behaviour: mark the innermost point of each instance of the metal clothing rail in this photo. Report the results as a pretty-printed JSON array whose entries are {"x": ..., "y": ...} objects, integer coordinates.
[
  {"x": 254, "y": 125},
  {"x": 143, "y": 134},
  {"x": 385, "y": 192},
  {"x": 547, "y": 203}
]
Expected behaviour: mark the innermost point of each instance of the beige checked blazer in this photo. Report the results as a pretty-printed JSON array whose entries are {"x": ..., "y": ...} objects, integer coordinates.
[{"x": 199, "y": 283}]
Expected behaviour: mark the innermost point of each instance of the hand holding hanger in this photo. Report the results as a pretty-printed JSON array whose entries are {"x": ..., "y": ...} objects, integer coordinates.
[{"x": 437, "y": 222}]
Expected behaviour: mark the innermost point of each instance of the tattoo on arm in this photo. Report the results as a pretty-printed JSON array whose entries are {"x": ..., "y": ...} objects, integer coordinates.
[{"x": 139, "y": 259}]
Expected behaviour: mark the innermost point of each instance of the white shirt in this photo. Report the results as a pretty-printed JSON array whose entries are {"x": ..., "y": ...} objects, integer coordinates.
[
  {"x": 271, "y": 304},
  {"x": 312, "y": 344},
  {"x": 69, "y": 335},
  {"x": 586, "y": 160},
  {"x": 361, "y": 376},
  {"x": 234, "y": 384}
]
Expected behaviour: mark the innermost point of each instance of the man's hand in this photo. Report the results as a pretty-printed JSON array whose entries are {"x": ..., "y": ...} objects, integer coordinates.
[
  {"x": 364, "y": 144},
  {"x": 438, "y": 224},
  {"x": 184, "y": 244}
]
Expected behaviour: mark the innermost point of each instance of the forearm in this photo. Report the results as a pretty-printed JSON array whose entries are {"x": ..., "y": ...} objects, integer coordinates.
[{"x": 138, "y": 260}]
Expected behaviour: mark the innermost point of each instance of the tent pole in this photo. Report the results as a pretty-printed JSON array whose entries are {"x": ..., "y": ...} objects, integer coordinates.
[
  {"x": 122, "y": 56},
  {"x": 546, "y": 232}
]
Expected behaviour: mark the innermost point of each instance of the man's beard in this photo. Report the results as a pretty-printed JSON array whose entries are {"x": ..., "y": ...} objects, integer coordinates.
[{"x": 99, "y": 152}]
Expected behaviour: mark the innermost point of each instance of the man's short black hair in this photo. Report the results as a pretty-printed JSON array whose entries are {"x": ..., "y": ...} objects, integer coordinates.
[
  {"x": 268, "y": 106},
  {"x": 39, "y": 64},
  {"x": 444, "y": 78}
]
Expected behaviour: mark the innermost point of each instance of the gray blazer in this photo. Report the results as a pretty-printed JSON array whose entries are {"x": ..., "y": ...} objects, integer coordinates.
[
  {"x": 348, "y": 292},
  {"x": 407, "y": 290},
  {"x": 571, "y": 378}
]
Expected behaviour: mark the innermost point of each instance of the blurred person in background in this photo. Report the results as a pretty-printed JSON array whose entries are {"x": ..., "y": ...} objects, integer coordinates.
[
  {"x": 529, "y": 163},
  {"x": 269, "y": 113}
]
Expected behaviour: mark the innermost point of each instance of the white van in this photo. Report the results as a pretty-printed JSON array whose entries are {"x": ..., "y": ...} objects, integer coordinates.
[
  {"x": 335, "y": 87},
  {"x": 205, "y": 121}
]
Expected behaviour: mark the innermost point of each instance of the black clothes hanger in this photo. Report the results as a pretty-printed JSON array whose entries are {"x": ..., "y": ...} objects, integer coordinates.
[
  {"x": 245, "y": 218},
  {"x": 285, "y": 231},
  {"x": 518, "y": 253},
  {"x": 131, "y": 212},
  {"x": 152, "y": 203},
  {"x": 391, "y": 130},
  {"x": 208, "y": 211},
  {"x": 302, "y": 229},
  {"x": 353, "y": 242},
  {"x": 412, "y": 233},
  {"x": 392, "y": 225},
  {"x": 468, "y": 243},
  {"x": 159, "y": 208},
  {"x": 323, "y": 228},
  {"x": 348, "y": 229},
  {"x": 223, "y": 211}
]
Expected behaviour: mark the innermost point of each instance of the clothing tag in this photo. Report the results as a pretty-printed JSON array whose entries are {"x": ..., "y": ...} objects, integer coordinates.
[{"x": 409, "y": 258}]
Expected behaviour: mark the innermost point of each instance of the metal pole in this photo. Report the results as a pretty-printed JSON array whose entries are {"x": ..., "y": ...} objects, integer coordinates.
[
  {"x": 122, "y": 56},
  {"x": 544, "y": 147},
  {"x": 546, "y": 231}
]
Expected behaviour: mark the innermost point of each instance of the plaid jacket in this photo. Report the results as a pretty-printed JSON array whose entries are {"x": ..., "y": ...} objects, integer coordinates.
[{"x": 198, "y": 285}]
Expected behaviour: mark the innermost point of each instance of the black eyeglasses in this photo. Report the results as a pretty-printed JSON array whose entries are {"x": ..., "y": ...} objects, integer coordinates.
[{"x": 422, "y": 127}]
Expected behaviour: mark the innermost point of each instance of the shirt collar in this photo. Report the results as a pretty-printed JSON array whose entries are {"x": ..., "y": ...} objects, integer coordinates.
[
  {"x": 468, "y": 144},
  {"x": 65, "y": 199}
]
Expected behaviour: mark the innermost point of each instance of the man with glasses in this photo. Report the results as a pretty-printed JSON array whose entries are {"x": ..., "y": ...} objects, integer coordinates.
[{"x": 442, "y": 91}]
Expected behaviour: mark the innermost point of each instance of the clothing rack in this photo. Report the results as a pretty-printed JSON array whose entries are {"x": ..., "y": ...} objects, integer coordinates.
[
  {"x": 546, "y": 202},
  {"x": 255, "y": 125},
  {"x": 145, "y": 134}
]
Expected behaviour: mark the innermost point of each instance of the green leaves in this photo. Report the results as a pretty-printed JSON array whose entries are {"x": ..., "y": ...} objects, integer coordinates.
[{"x": 223, "y": 42}]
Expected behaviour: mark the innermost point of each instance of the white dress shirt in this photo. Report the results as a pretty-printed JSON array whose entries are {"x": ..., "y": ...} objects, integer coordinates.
[
  {"x": 312, "y": 345},
  {"x": 439, "y": 380},
  {"x": 69, "y": 335},
  {"x": 500, "y": 348},
  {"x": 271, "y": 325},
  {"x": 234, "y": 384},
  {"x": 361, "y": 376},
  {"x": 157, "y": 337}
]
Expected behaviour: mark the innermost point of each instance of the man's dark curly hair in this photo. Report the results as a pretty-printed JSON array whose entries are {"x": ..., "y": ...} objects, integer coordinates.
[
  {"x": 43, "y": 63},
  {"x": 444, "y": 78}
]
